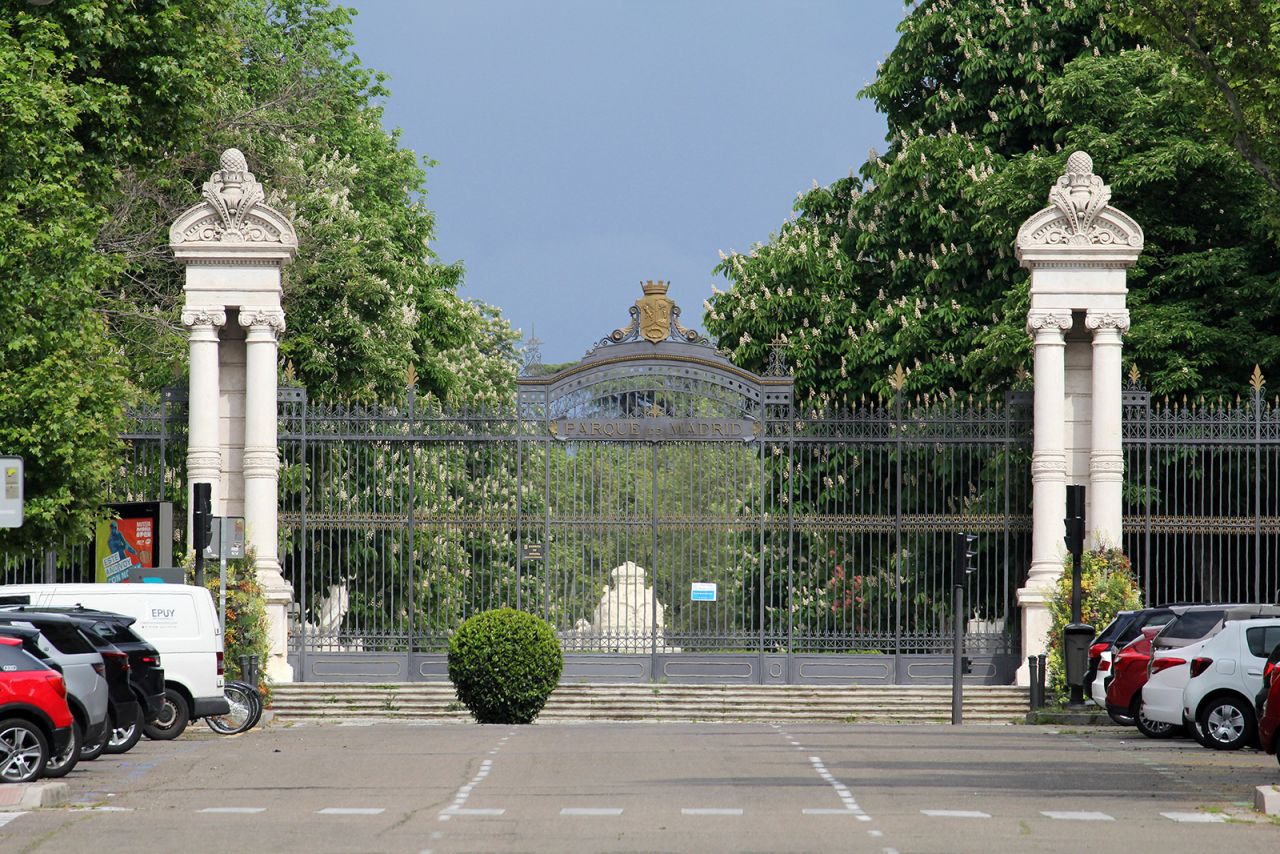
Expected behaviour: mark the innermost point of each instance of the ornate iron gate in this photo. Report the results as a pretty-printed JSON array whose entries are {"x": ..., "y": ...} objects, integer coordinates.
[{"x": 674, "y": 516}]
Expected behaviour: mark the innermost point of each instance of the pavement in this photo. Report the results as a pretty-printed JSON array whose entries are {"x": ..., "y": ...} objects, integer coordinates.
[{"x": 418, "y": 786}]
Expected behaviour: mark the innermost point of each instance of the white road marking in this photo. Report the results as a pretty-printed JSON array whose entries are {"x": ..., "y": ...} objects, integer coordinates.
[
  {"x": 591, "y": 811},
  {"x": 955, "y": 814},
  {"x": 829, "y": 812},
  {"x": 841, "y": 790},
  {"x": 1195, "y": 817},
  {"x": 479, "y": 812},
  {"x": 1077, "y": 816},
  {"x": 104, "y": 809},
  {"x": 6, "y": 817},
  {"x": 464, "y": 792},
  {"x": 351, "y": 811},
  {"x": 710, "y": 811},
  {"x": 876, "y": 834},
  {"x": 234, "y": 810}
]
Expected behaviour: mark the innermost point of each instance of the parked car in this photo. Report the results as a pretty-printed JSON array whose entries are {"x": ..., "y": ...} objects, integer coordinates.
[
  {"x": 35, "y": 720},
  {"x": 59, "y": 639},
  {"x": 1176, "y": 645},
  {"x": 1124, "y": 693},
  {"x": 1268, "y": 706},
  {"x": 179, "y": 620},
  {"x": 1224, "y": 679},
  {"x": 1125, "y": 628},
  {"x": 146, "y": 675}
]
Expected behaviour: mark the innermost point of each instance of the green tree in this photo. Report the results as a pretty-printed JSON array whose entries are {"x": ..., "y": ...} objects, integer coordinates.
[
  {"x": 1231, "y": 49},
  {"x": 88, "y": 87},
  {"x": 911, "y": 261}
]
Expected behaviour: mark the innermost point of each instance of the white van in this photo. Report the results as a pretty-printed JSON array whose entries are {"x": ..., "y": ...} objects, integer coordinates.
[{"x": 179, "y": 620}]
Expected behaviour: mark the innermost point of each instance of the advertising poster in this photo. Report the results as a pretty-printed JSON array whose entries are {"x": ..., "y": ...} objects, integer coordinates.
[{"x": 123, "y": 544}]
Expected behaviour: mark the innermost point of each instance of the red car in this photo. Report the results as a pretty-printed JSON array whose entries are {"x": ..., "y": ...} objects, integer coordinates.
[
  {"x": 1124, "y": 694},
  {"x": 35, "y": 721},
  {"x": 1269, "y": 706}
]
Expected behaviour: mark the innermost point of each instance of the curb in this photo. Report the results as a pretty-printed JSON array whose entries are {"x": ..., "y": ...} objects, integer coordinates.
[
  {"x": 1266, "y": 799},
  {"x": 32, "y": 796},
  {"x": 1041, "y": 716}
]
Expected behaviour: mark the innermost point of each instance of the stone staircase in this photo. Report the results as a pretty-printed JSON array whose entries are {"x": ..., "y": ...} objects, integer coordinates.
[{"x": 337, "y": 701}]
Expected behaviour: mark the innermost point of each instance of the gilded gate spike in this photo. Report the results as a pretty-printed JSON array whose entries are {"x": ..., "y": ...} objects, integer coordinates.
[
  {"x": 899, "y": 378},
  {"x": 411, "y": 376},
  {"x": 1133, "y": 373},
  {"x": 1256, "y": 381}
]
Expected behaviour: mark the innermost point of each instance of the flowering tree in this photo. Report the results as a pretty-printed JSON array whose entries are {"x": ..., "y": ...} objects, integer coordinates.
[{"x": 910, "y": 261}]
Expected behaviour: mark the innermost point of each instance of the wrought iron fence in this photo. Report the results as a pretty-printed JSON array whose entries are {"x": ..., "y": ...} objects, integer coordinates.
[
  {"x": 1202, "y": 495},
  {"x": 829, "y": 532}
]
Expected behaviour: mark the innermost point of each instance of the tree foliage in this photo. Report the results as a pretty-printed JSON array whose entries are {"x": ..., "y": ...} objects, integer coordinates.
[{"x": 910, "y": 261}]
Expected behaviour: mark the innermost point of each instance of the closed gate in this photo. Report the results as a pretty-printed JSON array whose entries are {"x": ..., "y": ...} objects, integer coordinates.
[{"x": 674, "y": 516}]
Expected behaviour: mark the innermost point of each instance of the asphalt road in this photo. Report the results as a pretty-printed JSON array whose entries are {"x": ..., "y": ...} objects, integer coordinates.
[{"x": 401, "y": 787}]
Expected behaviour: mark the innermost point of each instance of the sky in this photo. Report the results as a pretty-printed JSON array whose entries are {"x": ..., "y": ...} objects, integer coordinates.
[{"x": 584, "y": 146}]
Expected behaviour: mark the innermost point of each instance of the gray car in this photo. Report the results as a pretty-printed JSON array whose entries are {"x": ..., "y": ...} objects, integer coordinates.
[{"x": 60, "y": 643}]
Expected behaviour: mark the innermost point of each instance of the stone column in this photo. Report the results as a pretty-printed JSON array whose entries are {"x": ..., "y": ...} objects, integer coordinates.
[
  {"x": 261, "y": 472},
  {"x": 234, "y": 247},
  {"x": 1048, "y": 467},
  {"x": 1077, "y": 250},
  {"x": 1106, "y": 455},
  {"x": 204, "y": 452}
]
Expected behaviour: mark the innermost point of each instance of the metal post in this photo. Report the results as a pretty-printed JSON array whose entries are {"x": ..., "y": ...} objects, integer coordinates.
[
  {"x": 412, "y": 605},
  {"x": 304, "y": 540},
  {"x": 957, "y": 657},
  {"x": 1042, "y": 671},
  {"x": 222, "y": 584},
  {"x": 1034, "y": 673}
]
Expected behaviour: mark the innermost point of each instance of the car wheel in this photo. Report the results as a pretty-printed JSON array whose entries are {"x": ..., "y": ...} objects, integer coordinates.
[
  {"x": 24, "y": 751},
  {"x": 172, "y": 719},
  {"x": 1227, "y": 723},
  {"x": 90, "y": 752},
  {"x": 1123, "y": 720},
  {"x": 1148, "y": 727},
  {"x": 60, "y": 765},
  {"x": 121, "y": 739}
]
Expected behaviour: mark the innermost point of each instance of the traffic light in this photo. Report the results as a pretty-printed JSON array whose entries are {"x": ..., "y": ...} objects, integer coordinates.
[
  {"x": 1074, "y": 520},
  {"x": 966, "y": 554},
  {"x": 201, "y": 517}
]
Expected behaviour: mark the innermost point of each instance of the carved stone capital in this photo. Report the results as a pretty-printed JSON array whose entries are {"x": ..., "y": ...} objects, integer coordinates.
[
  {"x": 269, "y": 318},
  {"x": 1079, "y": 215},
  {"x": 1048, "y": 320},
  {"x": 1116, "y": 319},
  {"x": 204, "y": 317},
  {"x": 234, "y": 211}
]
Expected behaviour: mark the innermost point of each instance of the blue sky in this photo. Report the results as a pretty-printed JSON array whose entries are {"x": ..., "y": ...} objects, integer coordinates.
[{"x": 585, "y": 145}]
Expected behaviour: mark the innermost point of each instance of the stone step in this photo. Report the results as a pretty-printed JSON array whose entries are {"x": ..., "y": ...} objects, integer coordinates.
[{"x": 663, "y": 702}]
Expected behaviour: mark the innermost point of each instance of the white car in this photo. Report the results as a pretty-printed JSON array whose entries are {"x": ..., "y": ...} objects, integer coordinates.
[
  {"x": 1174, "y": 648},
  {"x": 1225, "y": 676},
  {"x": 179, "y": 620}
]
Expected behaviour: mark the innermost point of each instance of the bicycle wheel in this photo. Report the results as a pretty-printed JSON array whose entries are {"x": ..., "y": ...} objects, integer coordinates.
[
  {"x": 257, "y": 700},
  {"x": 239, "y": 718}
]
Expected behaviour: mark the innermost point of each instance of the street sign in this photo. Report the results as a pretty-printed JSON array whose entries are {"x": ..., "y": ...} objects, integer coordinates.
[
  {"x": 702, "y": 591},
  {"x": 531, "y": 551},
  {"x": 226, "y": 539},
  {"x": 11, "y": 495}
]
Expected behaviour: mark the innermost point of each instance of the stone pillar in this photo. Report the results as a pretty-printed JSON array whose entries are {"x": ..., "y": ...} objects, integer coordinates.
[
  {"x": 204, "y": 451},
  {"x": 262, "y": 467},
  {"x": 234, "y": 247},
  {"x": 1048, "y": 467},
  {"x": 1077, "y": 249},
  {"x": 1106, "y": 454}
]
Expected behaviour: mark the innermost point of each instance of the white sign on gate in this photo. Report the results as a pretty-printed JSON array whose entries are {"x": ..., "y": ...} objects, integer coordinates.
[
  {"x": 702, "y": 591},
  {"x": 11, "y": 496}
]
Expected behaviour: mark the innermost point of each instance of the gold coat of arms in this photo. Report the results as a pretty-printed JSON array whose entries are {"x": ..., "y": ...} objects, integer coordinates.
[{"x": 655, "y": 312}]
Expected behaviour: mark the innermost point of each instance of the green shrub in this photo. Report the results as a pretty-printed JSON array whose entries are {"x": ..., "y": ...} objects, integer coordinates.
[
  {"x": 504, "y": 664},
  {"x": 247, "y": 631},
  {"x": 1107, "y": 587}
]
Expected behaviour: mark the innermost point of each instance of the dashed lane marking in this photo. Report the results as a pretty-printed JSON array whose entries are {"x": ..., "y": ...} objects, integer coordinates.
[
  {"x": 1076, "y": 816},
  {"x": 591, "y": 811},
  {"x": 955, "y": 814},
  {"x": 460, "y": 798},
  {"x": 710, "y": 811},
  {"x": 351, "y": 811},
  {"x": 478, "y": 812},
  {"x": 1195, "y": 817}
]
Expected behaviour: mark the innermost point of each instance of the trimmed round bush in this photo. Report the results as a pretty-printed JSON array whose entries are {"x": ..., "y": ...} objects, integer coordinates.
[{"x": 504, "y": 664}]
